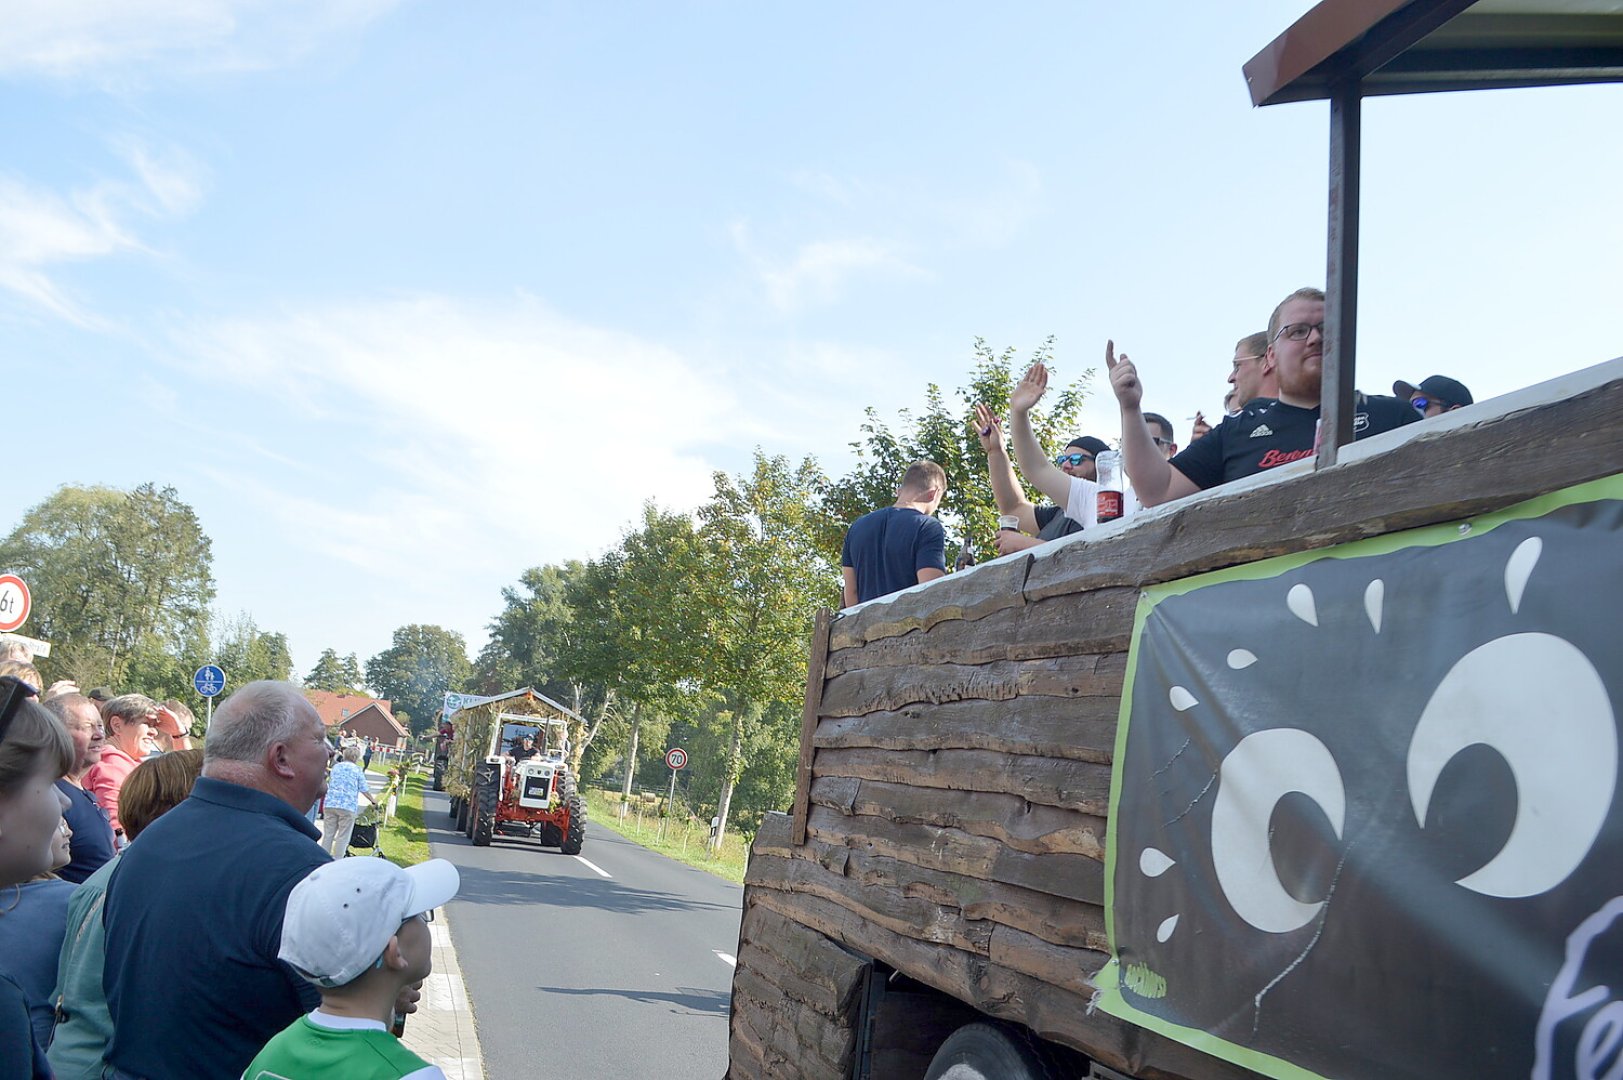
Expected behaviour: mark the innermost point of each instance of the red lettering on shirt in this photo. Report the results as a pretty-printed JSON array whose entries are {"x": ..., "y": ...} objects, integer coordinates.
[{"x": 1274, "y": 457}]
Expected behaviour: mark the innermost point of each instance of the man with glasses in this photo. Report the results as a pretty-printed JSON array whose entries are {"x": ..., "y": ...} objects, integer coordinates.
[
  {"x": 92, "y": 842},
  {"x": 1434, "y": 396},
  {"x": 1264, "y": 435}
]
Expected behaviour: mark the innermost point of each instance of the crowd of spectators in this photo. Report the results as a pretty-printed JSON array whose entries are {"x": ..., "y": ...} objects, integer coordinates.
[
  {"x": 168, "y": 912},
  {"x": 1271, "y": 418}
]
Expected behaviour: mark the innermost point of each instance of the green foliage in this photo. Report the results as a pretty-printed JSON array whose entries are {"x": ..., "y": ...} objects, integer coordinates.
[
  {"x": 944, "y": 433},
  {"x": 247, "y": 654},
  {"x": 335, "y": 675},
  {"x": 415, "y": 672},
  {"x": 119, "y": 580}
]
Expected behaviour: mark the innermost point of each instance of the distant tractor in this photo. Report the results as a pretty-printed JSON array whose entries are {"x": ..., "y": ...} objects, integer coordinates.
[{"x": 523, "y": 786}]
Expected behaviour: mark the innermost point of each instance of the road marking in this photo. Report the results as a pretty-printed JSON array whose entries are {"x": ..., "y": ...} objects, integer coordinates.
[
  {"x": 730, "y": 961},
  {"x": 590, "y": 865}
]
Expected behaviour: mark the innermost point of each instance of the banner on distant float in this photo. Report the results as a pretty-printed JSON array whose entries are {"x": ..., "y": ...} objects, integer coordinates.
[{"x": 1364, "y": 821}]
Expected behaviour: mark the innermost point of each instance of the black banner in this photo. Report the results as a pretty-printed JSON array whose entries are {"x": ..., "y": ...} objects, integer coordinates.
[{"x": 1365, "y": 819}]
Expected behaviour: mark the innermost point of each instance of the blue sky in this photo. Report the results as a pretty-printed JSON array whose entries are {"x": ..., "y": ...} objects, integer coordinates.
[{"x": 406, "y": 297}]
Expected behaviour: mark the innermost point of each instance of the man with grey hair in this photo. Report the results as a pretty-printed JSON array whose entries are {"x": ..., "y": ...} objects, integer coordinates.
[
  {"x": 92, "y": 842},
  {"x": 194, "y": 913}
]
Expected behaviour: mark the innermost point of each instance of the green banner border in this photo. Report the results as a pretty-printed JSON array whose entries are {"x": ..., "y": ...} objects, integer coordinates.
[{"x": 1109, "y": 997}]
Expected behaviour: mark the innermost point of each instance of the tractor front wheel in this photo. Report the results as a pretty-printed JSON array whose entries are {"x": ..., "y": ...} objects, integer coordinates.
[
  {"x": 459, "y": 812},
  {"x": 575, "y": 836},
  {"x": 486, "y": 799}
]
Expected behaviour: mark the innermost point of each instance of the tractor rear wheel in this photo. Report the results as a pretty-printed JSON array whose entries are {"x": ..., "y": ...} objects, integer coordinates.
[
  {"x": 575, "y": 836},
  {"x": 459, "y": 813},
  {"x": 486, "y": 799},
  {"x": 439, "y": 776}
]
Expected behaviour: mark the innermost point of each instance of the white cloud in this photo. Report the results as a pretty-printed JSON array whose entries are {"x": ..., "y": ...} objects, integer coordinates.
[
  {"x": 42, "y": 229},
  {"x": 817, "y": 272},
  {"x": 494, "y": 436},
  {"x": 116, "y": 42}
]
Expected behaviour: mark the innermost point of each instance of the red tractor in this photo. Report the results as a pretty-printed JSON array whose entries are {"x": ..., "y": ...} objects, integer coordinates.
[{"x": 524, "y": 786}]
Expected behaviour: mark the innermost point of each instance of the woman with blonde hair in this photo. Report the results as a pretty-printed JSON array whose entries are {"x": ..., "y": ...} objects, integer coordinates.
[
  {"x": 34, "y": 750},
  {"x": 83, "y": 1025}
]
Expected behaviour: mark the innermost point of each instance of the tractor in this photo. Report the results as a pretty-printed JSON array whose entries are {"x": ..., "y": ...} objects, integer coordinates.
[{"x": 524, "y": 787}]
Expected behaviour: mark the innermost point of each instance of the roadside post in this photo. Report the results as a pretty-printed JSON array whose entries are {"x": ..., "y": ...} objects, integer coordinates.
[
  {"x": 209, "y": 681},
  {"x": 676, "y": 759}
]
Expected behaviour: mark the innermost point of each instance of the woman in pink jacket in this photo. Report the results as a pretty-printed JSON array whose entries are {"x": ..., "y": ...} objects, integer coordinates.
[{"x": 131, "y": 720}]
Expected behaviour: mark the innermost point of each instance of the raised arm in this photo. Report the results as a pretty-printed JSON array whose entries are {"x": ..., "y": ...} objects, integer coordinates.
[
  {"x": 1043, "y": 474},
  {"x": 1153, "y": 478},
  {"x": 1006, "y": 490}
]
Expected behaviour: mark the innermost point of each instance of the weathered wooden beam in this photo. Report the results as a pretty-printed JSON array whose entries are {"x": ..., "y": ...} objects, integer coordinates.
[
  {"x": 888, "y": 689},
  {"x": 804, "y": 965},
  {"x": 1083, "y": 728},
  {"x": 990, "y": 588},
  {"x": 815, "y": 663},
  {"x": 1094, "y": 622},
  {"x": 1075, "y": 785},
  {"x": 1009, "y": 819}
]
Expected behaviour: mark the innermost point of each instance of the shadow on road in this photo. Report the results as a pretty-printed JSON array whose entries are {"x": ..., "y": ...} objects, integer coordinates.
[
  {"x": 481, "y": 886},
  {"x": 714, "y": 1002}
]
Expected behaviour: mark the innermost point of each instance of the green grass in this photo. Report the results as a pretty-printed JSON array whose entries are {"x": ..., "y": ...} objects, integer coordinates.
[
  {"x": 405, "y": 839},
  {"x": 683, "y": 841}
]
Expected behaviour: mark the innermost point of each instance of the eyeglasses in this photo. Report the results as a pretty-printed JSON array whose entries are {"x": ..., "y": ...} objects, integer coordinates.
[
  {"x": 1160, "y": 442},
  {"x": 1299, "y": 331},
  {"x": 1072, "y": 459},
  {"x": 1422, "y": 403},
  {"x": 16, "y": 692},
  {"x": 1238, "y": 360}
]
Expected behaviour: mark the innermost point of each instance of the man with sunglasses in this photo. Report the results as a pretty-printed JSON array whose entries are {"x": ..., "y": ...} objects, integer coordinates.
[
  {"x": 1070, "y": 480},
  {"x": 1266, "y": 433},
  {"x": 1434, "y": 396}
]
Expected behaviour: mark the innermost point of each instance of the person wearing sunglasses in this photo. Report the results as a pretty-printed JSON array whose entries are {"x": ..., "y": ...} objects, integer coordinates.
[
  {"x": 1266, "y": 433},
  {"x": 1434, "y": 396},
  {"x": 34, "y": 751}
]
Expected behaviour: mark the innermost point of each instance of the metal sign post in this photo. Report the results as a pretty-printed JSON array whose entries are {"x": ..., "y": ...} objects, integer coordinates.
[{"x": 676, "y": 759}]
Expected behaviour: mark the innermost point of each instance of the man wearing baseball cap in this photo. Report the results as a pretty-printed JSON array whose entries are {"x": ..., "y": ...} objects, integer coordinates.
[
  {"x": 1434, "y": 396},
  {"x": 358, "y": 930}
]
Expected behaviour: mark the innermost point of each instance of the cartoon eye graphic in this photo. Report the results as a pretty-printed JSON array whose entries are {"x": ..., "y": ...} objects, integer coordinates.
[
  {"x": 1539, "y": 703},
  {"x": 1261, "y": 769}
]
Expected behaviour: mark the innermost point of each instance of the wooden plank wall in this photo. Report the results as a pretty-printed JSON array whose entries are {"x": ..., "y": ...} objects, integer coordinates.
[{"x": 961, "y": 751}]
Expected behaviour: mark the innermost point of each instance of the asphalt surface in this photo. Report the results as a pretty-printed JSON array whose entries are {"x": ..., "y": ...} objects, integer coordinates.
[{"x": 572, "y": 974}]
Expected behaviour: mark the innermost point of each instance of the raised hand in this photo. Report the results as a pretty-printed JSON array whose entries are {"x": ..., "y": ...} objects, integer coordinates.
[
  {"x": 988, "y": 428},
  {"x": 1123, "y": 378},
  {"x": 1201, "y": 426},
  {"x": 1029, "y": 390}
]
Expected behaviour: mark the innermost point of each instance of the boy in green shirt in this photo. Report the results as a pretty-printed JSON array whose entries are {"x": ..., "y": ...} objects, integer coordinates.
[{"x": 358, "y": 929}]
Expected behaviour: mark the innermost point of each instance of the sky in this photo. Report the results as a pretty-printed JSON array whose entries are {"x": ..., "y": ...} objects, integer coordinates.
[{"x": 405, "y": 297}]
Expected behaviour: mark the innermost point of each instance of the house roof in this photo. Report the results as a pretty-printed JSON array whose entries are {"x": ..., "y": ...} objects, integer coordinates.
[
  {"x": 376, "y": 706},
  {"x": 335, "y": 708}
]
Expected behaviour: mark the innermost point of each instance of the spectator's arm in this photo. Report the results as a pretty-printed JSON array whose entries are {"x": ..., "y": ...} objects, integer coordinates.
[
  {"x": 930, "y": 558},
  {"x": 850, "y": 596},
  {"x": 930, "y": 573},
  {"x": 1006, "y": 490},
  {"x": 1153, "y": 478},
  {"x": 1044, "y": 475}
]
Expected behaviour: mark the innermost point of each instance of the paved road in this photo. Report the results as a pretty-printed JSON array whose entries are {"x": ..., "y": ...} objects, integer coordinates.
[{"x": 577, "y": 975}]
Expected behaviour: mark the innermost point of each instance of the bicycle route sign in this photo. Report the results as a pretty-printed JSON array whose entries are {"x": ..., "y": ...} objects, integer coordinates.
[{"x": 209, "y": 680}]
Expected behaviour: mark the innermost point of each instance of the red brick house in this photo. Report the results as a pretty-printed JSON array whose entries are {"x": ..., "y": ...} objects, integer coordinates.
[{"x": 359, "y": 716}]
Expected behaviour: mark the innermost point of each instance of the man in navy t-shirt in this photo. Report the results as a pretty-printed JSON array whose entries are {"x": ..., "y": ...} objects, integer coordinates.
[
  {"x": 900, "y": 545},
  {"x": 1266, "y": 433}
]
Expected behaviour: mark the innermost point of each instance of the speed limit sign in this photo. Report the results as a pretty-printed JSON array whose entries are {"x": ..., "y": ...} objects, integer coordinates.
[
  {"x": 14, "y": 602},
  {"x": 676, "y": 758}
]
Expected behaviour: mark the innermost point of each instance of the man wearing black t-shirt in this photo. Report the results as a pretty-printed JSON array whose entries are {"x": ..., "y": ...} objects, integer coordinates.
[{"x": 1266, "y": 433}]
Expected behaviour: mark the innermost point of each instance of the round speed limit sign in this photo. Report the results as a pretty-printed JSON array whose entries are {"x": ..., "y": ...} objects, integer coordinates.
[
  {"x": 14, "y": 602},
  {"x": 676, "y": 758}
]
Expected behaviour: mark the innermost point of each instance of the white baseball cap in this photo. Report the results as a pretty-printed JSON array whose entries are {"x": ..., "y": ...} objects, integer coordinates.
[{"x": 341, "y": 917}]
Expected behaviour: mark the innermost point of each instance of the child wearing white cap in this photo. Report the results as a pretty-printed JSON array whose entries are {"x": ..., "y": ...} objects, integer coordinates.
[{"x": 358, "y": 929}]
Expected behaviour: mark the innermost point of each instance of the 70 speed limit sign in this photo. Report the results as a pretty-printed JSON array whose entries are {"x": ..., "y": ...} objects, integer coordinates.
[{"x": 676, "y": 758}]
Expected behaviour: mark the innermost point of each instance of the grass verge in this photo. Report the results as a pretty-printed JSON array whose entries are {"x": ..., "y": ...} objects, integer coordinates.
[
  {"x": 405, "y": 839},
  {"x": 682, "y": 841}
]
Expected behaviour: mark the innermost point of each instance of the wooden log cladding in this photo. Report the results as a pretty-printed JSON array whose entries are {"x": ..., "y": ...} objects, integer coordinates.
[
  {"x": 1072, "y": 877},
  {"x": 1070, "y": 784},
  {"x": 1081, "y": 728},
  {"x": 1094, "y": 622},
  {"x": 804, "y": 965},
  {"x": 991, "y": 588},
  {"x": 815, "y": 663},
  {"x": 929, "y": 904},
  {"x": 1052, "y": 1012},
  {"x": 888, "y": 689},
  {"x": 1009, "y": 819}
]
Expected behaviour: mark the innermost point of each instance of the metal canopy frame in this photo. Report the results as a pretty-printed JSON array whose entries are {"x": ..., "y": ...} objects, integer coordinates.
[{"x": 1343, "y": 51}]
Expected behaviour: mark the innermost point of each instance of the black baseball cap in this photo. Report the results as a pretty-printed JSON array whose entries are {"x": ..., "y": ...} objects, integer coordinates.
[
  {"x": 1090, "y": 444},
  {"x": 1441, "y": 387}
]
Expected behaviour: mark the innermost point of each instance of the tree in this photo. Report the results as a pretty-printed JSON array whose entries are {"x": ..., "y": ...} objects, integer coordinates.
[
  {"x": 530, "y": 632},
  {"x": 247, "y": 654},
  {"x": 118, "y": 578},
  {"x": 328, "y": 673},
  {"x": 417, "y": 670},
  {"x": 944, "y": 434}
]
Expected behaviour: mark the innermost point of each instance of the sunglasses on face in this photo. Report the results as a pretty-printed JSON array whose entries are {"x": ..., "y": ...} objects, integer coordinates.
[
  {"x": 1422, "y": 403},
  {"x": 1072, "y": 459},
  {"x": 13, "y": 692}
]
